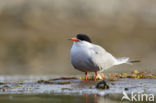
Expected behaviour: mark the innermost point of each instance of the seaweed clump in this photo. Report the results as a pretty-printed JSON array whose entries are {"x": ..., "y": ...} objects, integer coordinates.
[{"x": 135, "y": 74}]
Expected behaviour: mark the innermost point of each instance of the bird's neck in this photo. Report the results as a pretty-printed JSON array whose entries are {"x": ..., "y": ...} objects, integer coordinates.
[{"x": 82, "y": 44}]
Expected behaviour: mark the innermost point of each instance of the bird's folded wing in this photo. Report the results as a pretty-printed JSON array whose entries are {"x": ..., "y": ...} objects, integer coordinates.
[{"x": 101, "y": 57}]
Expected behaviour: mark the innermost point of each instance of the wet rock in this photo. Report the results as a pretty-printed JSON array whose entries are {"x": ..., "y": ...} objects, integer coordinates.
[
  {"x": 126, "y": 89},
  {"x": 102, "y": 85}
]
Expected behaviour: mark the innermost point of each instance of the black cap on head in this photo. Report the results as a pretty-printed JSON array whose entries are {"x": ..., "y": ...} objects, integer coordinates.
[{"x": 83, "y": 37}]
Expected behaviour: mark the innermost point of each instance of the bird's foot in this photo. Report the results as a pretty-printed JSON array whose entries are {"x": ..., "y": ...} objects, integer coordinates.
[
  {"x": 96, "y": 74},
  {"x": 102, "y": 76},
  {"x": 86, "y": 80}
]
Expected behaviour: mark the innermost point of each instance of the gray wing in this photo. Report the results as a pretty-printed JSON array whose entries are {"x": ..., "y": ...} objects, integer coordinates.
[{"x": 101, "y": 57}]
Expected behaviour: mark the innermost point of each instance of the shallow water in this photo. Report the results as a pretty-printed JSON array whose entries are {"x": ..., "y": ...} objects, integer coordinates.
[
  {"x": 62, "y": 98},
  {"x": 55, "y": 98}
]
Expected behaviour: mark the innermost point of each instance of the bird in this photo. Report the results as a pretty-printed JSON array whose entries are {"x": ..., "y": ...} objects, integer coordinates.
[{"x": 88, "y": 57}]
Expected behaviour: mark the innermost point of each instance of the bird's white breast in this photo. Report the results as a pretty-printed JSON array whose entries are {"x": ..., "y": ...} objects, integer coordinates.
[{"x": 81, "y": 57}]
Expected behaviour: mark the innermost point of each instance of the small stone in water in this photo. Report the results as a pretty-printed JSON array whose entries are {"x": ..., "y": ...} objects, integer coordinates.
[
  {"x": 102, "y": 85},
  {"x": 126, "y": 89}
]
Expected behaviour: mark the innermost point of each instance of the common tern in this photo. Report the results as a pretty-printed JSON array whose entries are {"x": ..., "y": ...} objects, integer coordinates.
[{"x": 88, "y": 57}]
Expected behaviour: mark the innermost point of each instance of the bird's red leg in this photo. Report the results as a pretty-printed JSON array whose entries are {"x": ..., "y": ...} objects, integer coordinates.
[
  {"x": 95, "y": 76},
  {"x": 86, "y": 77}
]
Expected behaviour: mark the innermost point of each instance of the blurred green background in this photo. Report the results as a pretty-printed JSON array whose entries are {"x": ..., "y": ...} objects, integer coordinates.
[{"x": 34, "y": 33}]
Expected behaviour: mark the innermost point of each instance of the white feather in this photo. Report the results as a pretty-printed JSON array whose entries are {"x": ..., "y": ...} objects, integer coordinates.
[
  {"x": 122, "y": 60},
  {"x": 88, "y": 57}
]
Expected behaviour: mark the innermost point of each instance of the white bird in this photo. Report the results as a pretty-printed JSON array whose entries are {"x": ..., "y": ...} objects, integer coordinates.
[{"x": 88, "y": 57}]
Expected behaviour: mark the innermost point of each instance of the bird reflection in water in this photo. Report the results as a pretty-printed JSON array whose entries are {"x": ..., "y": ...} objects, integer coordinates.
[{"x": 91, "y": 99}]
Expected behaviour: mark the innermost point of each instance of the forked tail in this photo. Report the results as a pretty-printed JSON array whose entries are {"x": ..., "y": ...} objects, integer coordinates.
[
  {"x": 125, "y": 60},
  {"x": 134, "y": 61}
]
